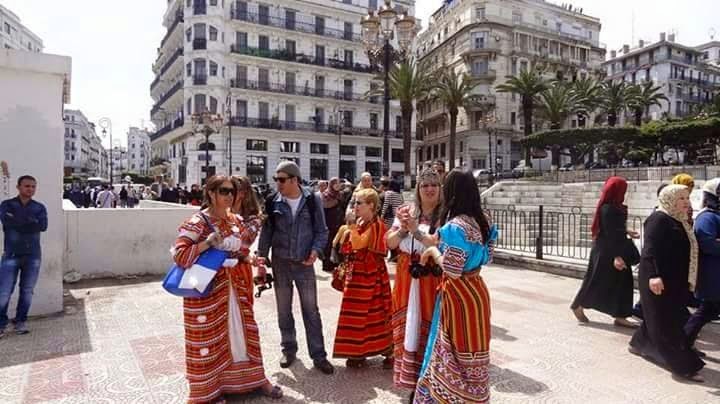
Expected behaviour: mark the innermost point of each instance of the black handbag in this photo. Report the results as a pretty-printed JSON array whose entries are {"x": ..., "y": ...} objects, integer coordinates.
[{"x": 630, "y": 253}]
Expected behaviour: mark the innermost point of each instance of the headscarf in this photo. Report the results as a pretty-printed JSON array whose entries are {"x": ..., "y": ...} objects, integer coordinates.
[
  {"x": 331, "y": 197},
  {"x": 668, "y": 200},
  {"x": 711, "y": 194},
  {"x": 683, "y": 179},
  {"x": 613, "y": 193}
]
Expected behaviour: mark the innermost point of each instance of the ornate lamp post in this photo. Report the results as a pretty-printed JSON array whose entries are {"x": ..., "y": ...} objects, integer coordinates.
[
  {"x": 377, "y": 33},
  {"x": 206, "y": 124},
  {"x": 106, "y": 124},
  {"x": 488, "y": 123}
]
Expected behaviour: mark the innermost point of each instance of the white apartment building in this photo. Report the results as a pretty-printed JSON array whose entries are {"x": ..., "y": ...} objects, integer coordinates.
[
  {"x": 291, "y": 75},
  {"x": 119, "y": 163},
  {"x": 83, "y": 147},
  {"x": 138, "y": 151},
  {"x": 688, "y": 76},
  {"x": 14, "y": 35},
  {"x": 490, "y": 40}
]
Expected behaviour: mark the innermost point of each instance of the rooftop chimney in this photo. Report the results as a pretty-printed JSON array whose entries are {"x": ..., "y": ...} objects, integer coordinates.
[
  {"x": 641, "y": 43},
  {"x": 662, "y": 37},
  {"x": 626, "y": 48},
  {"x": 671, "y": 38}
]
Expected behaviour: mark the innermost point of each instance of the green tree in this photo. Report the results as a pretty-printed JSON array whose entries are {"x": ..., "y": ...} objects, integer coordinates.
[
  {"x": 527, "y": 84},
  {"x": 614, "y": 100},
  {"x": 641, "y": 97},
  {"x": 556, "y": 104},
  {"x": 455, "y": 91},
  {"x": 589, "y": 95}
]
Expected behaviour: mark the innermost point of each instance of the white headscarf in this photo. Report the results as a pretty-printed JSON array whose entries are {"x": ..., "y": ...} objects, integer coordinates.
[{"x": 668, "y": 200}]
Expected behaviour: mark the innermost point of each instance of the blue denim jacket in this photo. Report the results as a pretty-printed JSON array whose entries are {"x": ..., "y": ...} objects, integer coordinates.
[
  {"x": 22, "y": 226},
  {"x": 293, "y": 238}
]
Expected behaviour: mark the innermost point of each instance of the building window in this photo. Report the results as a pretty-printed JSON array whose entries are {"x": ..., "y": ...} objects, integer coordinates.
[
  {"x": 348, "y": 32},
  {"x": 374, "y": 168},
  {"x": 256, "y": 169},
  {"x": 347, "y": 170},
  {"x": 319, "y": 148},
  {"x": 213, "y": 105},
  {"x": 479, "y": 40},
  {"x": 290, "y": 47},
  {"x": 513, "y": 118},
  {"x": 347, "y": 150},
  {"x": 373, "y": 151},
  {"x": 373, "y": 120},
  {"x": 436, "y": 149},
  {"x": 462, "y": 147},
  {"x": 517, "y": 17},
  {"x": 442, "y": 149},
  {"x": 480, "y": 13},
  {"x": 257, "y": 145},
  {"x": 319, "y": 25},
  {"x": 478, "y": 164},
  {"x": 397, "y": 156},
  {"x": 263, "y": 42},
  {"x": 289, "y": 147},
  {"x": 213, "y": 68},
  {"x": 318, "y": 169},
  {"x": 213, "y": 33}
]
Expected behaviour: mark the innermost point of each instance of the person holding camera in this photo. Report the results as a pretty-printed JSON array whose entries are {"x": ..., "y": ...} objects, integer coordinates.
[
  {"x": 364, "y": 326},
  {"x": 457, "y": 360},
  {"x": 415, "y": 288},
  {"x": 222, "y": 345}
]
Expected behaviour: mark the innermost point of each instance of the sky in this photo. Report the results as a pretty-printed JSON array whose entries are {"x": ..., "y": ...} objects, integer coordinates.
[{"x": 114, "y": 43}]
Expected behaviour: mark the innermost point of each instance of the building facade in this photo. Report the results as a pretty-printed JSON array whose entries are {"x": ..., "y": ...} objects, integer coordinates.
[
  {"x": 83, "y": 147},
  {"x": 490, "y": 40},
  {"x": 14, "y": 35},
  {"x": 289, "y": 79},
  {"x": 138, "y": 151},
  {"x": 688, "y": 76}
]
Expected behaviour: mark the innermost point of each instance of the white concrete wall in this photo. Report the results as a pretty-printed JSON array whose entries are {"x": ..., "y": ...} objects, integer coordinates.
[
  {"x": 117, "y": 242},
  {"x": 31, "y": 142}
]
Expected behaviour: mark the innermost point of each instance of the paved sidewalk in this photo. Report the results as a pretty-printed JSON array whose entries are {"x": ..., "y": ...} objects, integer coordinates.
[{"x": 121, "y": 342}]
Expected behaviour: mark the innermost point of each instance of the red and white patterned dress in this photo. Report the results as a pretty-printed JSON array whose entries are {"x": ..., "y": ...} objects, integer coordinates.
[{"x": 222, "y": 345}]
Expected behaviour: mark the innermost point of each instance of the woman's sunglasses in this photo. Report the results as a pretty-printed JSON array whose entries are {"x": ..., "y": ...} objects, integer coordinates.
[
  {"x": 226, "y": 191},
  {"x": 281, "y": 179},
  {"x": 429, "y": 185}
]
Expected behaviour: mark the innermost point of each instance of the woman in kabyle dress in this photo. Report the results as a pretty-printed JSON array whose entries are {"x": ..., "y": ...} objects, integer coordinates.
[
  {"x": 222, "y": 346},
  {"x": 456, "y": 365},
  {"x": 415, "y": 287}
]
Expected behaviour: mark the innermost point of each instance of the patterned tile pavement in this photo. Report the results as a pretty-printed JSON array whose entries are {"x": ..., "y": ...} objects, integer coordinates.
[{"x": 121, "y": 342}]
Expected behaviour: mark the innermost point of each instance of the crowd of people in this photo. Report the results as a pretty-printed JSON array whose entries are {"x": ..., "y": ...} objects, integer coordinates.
[{"x": 128, "y": 195}]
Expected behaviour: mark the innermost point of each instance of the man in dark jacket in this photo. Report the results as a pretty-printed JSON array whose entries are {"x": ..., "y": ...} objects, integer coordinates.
[{"x": 23, "y": 219}]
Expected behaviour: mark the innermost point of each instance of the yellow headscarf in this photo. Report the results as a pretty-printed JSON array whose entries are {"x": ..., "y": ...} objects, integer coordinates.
[{"x": 684, "y": 179}]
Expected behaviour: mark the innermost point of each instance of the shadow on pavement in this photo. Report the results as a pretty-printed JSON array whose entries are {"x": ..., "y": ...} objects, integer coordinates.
[
  {"x": 508, "y": 381},
  {"x": 502, "y": 334}
]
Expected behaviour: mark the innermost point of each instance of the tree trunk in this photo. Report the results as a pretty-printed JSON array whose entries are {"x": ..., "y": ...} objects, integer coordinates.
[
  {"x": 453, "y": 128},
  {"x": 612, "y": 119},
  {"x": 555, "y": 150},
  {"x": 527, "y": 106},
  {"x": 638, "y": 116},
  {"x": 407, "y": 146}
]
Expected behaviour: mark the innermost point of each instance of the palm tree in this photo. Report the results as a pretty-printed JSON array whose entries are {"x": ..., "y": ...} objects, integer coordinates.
[
  {"x": 614, "y": 100},
  {"x": 642, "y": 97},
  {"x": 455, "y": 91},
  {"x": 555, "y": 105},
  {"x": 588, "y": 92},
  {"x": 527, "y": 85}
]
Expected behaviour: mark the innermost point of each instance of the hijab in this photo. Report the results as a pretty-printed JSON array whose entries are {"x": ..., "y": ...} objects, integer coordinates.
[
  {"x": 331, "y": 197},
  {"x": 684, "y": 179},
  {"x": 711, "y": 195},
  {"x": 668, "y": 200},
  {"x": 613, "y": 193}
]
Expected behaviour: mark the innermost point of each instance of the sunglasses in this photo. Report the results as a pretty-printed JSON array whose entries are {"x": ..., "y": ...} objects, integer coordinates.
[
  {"x": 429, "y": 185},
  {"x": 226, "y": 191},
  {"x": 281, "y": 179}
]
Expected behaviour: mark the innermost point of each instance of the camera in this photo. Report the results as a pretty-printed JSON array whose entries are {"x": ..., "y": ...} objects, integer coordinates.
[{"x": 263, "y": 283}]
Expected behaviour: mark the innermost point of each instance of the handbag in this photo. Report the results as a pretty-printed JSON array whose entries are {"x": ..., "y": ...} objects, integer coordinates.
[
  {"x": 341, "y": 274},
  {"x": 196, "y": 281},
  {"x": 630, "y": 253}
]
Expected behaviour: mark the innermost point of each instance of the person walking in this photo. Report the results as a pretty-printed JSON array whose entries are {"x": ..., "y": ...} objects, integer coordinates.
[
  {"x": 23, "y": 219},
  {"x": 393, "y": 200},
  {"x": 105, "y": 198},
  {"x": 707, "y": 232},
  {"x": 222, "y": 357},
  {"x": 295, "y": 230},
  {"x": 457, "y": 362},
  {"x": 331, "y": 200},
  {"x": 132, "y": 198},
  {"x": 415, "y": 288},
  {"x": 689, "y": 182},
  {"x": 123, "y": 197},
  {"x": 668, "y": 269},
  {"x": 195, "y": 195},
  {"x": 170, "y": 194},
  {"x": 364, "y": 327},
  {"x": 608, "y": 283}
]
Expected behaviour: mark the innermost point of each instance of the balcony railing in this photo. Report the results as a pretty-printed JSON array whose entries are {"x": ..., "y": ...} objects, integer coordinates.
[
  {"x": 178, "y": 53},
  {"x": 294, "y": 25},
  {"x": 179, "y": 17},
  {"x": 275, "y": 124},
  {"x": 282, "y": 54},
  {"x": 488, "y": 74},
  {"x": 174, "y": 89},
  {"x": 176, "y": 124},
  {"x": 200, "y": 79},
  {"x": 199, "y": 43},
  {"x": 286, "y": 88}
]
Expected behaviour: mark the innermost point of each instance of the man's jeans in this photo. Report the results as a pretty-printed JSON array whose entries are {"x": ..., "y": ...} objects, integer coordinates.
[
  {"x": 285, "y": 273},
  {"x": 707, "y": 312},
  {"x": 28, "y": 267}
]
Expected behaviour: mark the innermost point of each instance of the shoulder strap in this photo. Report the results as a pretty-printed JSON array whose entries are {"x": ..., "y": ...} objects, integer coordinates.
[{"x": 208, "y": 222}]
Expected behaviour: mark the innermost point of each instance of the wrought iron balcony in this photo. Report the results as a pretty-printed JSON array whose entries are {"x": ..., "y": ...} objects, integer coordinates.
[
  {"x": 200, "y": 79},
  {"x": 174, "y": 89},
  {"x": 178, "y": 53},
  {"x": 275, "y": 124},
  {"x": 282, "y": 54},
  {"x": 167, "y": 128},
  {"x": 294, "y": 24},
  {"x": 199, "y": 43},
  {"x": 289, "y": 88},
  {"x": 179, "y": 17}
]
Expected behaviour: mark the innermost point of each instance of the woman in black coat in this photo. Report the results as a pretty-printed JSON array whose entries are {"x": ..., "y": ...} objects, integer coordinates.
[
  {"x": 608, "y": 283},
  {"x": 668, "y": 269}
]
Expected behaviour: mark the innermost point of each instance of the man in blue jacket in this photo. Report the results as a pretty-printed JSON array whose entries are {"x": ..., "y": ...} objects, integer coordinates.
[
  {"x": 707, "y": 232},
  {"x": 295, "y": 229},
  {"x": 23, "y": 219}
]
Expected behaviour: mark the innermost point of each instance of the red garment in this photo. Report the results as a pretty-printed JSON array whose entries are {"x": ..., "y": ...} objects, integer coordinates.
[{"x": 613, "y": 193}]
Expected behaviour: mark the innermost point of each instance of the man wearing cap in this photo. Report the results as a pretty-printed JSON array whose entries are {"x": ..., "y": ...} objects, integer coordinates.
[
  {"x": 296, "y": 232},
  {"x": 707, "y": 232}
]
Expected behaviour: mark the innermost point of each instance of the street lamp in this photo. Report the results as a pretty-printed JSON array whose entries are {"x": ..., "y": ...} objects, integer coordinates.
[
  {"x": 206, "y": 124},
  {"x": 488, "y": 123},
  {"x": 106, "y": 124},
  {"x": 377, "y": 32}
]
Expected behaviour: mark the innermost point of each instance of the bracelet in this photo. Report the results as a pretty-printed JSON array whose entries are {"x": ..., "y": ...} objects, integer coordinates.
[{"x": 418, "y": 235}]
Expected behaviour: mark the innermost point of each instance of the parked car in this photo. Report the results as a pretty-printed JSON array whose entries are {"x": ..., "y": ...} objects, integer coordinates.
[{"x": 568, "y": 167}]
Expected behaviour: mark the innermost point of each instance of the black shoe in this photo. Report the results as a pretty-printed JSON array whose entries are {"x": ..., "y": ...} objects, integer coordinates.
[
  {"x": 287, "y": 360},
  {"x": 325, "y": 366},
  {"x": 698, "y": 352}
]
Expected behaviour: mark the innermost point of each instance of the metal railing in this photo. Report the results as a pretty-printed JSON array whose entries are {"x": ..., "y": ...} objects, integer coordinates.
[
  {"x": 282, "y": 54},
  {"x": 166, "y": 96},
  {"x": 295, "y": 24},
  {"x": 543, "y": 231},
  {"x": 664, "y": 173},
  {"x": 179, "y": 17},
  {"x": 276, "y": 124},
  {"x": 290, "y": 88}
]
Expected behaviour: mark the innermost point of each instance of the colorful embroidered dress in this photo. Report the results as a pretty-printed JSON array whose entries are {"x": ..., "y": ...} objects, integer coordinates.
[
  {"x": 413, "y": 302},
  {"x": 364, "y": 327},
  {"x": 222, "y": 346},
  {"x": 456, "y": 364}
]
